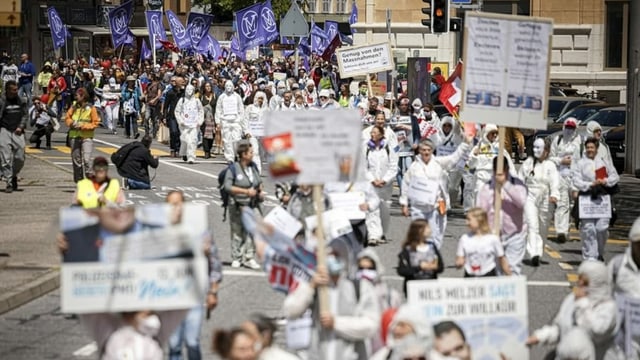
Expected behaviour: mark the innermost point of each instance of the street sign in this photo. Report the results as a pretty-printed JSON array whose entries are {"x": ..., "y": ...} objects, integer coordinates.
[
  {"x": 9, "y": 19},
  {"x": 13, "y": 6},
  {"x": 293, "y": 24}
]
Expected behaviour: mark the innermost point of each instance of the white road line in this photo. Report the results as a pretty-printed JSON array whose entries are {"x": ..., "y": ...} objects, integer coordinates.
[
  {"x": 86, "y": 350},
  {"x": 254, "y": 273}
]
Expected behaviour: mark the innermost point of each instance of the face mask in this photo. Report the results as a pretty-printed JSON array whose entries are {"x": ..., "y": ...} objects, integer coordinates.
[
  {"x": 334, "y": 265},
  {"x": 568, "y": 133},
  {"x": 538, "y": 148},
  {"x": 280, "y": 92},
  {"x": 149, "y": 326},
  {"x": 363, "y": 91},
  {"x": 189, "y": 91},
  {"x": 368, "y": 274},
  {"x": 261, "y": 86},
  {"x": 228, "y": 88},
  {"x": 428, "y": 116}
]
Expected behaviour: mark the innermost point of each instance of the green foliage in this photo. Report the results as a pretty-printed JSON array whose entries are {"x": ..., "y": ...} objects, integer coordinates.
[{"x": 224, "y": 9}]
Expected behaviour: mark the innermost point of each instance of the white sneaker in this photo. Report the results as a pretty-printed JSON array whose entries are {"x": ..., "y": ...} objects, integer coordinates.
[
  {"x": 252, "y": 264},
  {"x": 235, "y": 264}
]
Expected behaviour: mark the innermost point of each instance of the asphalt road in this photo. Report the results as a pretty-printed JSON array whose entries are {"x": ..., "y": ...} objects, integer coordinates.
[{"x": 39, "y": 331}]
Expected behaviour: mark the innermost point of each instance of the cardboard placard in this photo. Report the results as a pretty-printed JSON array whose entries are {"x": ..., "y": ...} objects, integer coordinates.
[
  {"x": 598, "y": 208},
  {"x": 365, "y": 59}
]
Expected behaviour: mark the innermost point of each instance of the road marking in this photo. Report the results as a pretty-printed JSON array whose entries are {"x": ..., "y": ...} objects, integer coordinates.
[
  {"x": 158, "y": 152},
  {"x": 64, "y": 149},
  {"x": 552, "y": 253},
  {"x": 572, "y": 278},
  {"x": 254, "y": 273},
  {"x": 107, "y": 150},
  {"x": 53, "y": 157},
  {"x": 30, "y": 150},
  {"x": 565, "y": 266},
  {"x": 618, "y": 242},
  {"x": 86, "y": 350}
]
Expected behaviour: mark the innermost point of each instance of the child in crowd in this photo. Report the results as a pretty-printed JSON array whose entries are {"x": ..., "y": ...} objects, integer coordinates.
[{"x": 419, "y": 258}]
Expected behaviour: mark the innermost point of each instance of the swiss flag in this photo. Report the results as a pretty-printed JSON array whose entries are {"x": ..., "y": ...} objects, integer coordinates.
[
  {"x": 450, "y": 94},
  {"x": 169, "y": 45}
]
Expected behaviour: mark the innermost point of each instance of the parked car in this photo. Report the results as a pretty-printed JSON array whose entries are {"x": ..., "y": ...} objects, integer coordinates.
[
  {"x": 558, "y": 105},
  {"x": 615, "y": 139},
  {"x": 608, "y": 118}
]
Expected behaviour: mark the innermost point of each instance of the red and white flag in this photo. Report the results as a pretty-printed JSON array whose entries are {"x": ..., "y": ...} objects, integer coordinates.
[{"x": 450, "y": 93}]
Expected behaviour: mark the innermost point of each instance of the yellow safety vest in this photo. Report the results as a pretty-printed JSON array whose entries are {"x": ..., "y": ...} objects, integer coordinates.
[
  {"x": 87, "y": 195},
  {"x": 81, "y": 115}
]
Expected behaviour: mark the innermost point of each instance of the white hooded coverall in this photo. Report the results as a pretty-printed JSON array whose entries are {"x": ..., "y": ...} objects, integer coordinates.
[
  {"x": 230, "y": 112},
  {"x": 189, "y": 115},
  {"x": 568, "y": 145}
]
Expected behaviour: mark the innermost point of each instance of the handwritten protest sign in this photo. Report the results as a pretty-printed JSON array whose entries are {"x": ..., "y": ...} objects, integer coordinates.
[
  {"x": 598, "y": 208},
  {"x": 133, "y": 258},
  {"x": 255, "y": 125},
  {"x": 506, "y": 72},
  {"x": 363, "y": 60},
  {"x": 316, "y": 146},
  {"x": 628, "y": 338},
  {"x": 492, "y": 312}
]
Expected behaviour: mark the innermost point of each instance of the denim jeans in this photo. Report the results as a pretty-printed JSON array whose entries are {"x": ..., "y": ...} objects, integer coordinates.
[
  {"x": 138, "y": 185},
  {"x": 24, "y": 91},
  {"x": 188, "y": 332}
]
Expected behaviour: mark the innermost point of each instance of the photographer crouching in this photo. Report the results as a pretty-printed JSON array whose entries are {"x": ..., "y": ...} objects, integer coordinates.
[
  {"x": 45, "y": 122},
  {"x": 134, "y": 167}
]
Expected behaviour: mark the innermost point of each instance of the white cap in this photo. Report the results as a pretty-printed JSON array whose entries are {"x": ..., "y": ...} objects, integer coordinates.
[{"x": 325, "y": 93}]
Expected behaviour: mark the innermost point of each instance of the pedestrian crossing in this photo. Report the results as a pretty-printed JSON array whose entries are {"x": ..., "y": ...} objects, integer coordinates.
[{"x": 59, "y": 150}]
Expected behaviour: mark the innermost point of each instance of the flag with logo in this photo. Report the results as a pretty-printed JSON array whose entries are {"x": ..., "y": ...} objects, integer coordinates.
[
  {"x": 119, "y": 18},
  {"x": 209, "y": 46},
  {"x": 318, "y": 38},
  {"x": 155, "y": 27},
  {"x": 331, "y": 30},
  {"x": 353, "y": 18},
  {"x": 256, "y": 25},
  {"x": 178, "y": 30},
  {"x": 236, "y": 49},
  {"x": 268, "y": 23},
  {"x": 145, "y": 53},
  {"x": 59, "y": 32},
  {"x": 197, "y": 27}
]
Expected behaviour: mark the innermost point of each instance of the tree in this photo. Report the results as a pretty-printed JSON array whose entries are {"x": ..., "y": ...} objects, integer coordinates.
[{"x": 224, "y": 9}]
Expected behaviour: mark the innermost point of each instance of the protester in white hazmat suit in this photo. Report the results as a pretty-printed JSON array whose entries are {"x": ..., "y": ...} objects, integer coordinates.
[
  {"x": 111, "y": 103},
  {"x": 447, "y": 140},
  {"x": 576, "y": 345},
  {"x": 278, "y": 98},
  {"x": 230, "y": 112},
  {"x": 254, "y": 114},
  {"x": 592, "y": 176},
  {"x": 589, "y": 307},
  {"x": 189, "y": 115},
  {"x": 563, "y": 150},
  {"x": 481, "y": 157},
  {"x": 424, "y": 187},
  {"x": 541, "y": 177},
  {"x": 595, "y": 130},
  {"x": 389, "y": 134}
]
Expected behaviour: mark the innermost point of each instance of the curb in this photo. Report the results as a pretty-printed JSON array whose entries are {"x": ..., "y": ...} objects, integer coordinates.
[{"x": 29, "y": 291}]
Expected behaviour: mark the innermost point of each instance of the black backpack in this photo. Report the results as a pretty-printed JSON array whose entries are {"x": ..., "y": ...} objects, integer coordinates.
[
  {"x": 224, "y": 194},
  {"x": 118, "y": 158}
]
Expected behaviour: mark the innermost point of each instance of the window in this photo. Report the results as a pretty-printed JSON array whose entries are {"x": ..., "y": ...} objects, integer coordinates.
[
  {"x": 341, "y": 7},
  {"x": 311, "y": 4},
  {"x": 326, "y": 6},
  {"x": 509, "y": 7},
  {"x": 616, "y": 35}
]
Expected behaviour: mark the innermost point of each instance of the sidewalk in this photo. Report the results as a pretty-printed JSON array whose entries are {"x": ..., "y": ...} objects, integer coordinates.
[{"x": 28, "y": 223}]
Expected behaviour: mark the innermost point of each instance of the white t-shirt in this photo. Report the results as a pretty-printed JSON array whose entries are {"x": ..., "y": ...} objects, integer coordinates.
[{"x": 480, "y": 252}]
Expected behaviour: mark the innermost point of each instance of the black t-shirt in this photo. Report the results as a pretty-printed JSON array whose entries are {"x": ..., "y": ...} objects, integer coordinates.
[{"x": 11, "y": 117}]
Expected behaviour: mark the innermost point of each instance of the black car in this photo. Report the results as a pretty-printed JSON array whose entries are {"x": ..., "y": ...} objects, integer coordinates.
[
  {"x": 615, "y": 140},
  {"x": 558, "y": 105}
]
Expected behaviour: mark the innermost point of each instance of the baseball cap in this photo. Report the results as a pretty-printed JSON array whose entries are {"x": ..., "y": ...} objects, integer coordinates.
[{"x": 570, "y": 123}]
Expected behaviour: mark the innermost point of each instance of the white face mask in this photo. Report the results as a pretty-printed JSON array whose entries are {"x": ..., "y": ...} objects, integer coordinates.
[
  {"x": 538, "y": 148},
  {"x": 149, "y": 326},
  {"x": 189, "y": 91},
  {"x": 567, "y": 133},
  {"x": 281, "y": 91},
  {"x": 228, "y": 87},
  {"x": 368, "y": 274}
]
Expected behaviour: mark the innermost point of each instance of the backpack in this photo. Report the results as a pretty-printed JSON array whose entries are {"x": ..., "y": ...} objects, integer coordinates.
[
  {"x": 386, "y": 147},
  {"x": 224, "y": 194},
  {"x": 118, "y": 158}
]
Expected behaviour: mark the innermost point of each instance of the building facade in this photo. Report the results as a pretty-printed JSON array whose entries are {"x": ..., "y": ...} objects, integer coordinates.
[{"x": 589, "y": 46}]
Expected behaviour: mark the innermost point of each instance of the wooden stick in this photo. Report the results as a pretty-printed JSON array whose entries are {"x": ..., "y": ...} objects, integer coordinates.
[
  {"x": 498, "y": 188},
  {"x": 321, "y": 250},
  {"x": 369, "y": 85}
]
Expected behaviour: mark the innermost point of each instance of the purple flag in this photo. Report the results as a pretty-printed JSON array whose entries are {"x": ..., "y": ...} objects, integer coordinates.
[
  {"x": 331, "y": 30},
  {"x": 287, "y": 41},
  {"x": 155, "y": 27},
  {"x": 236, "y": 50},
  {"x": 353, "y": 18},
  {"x": 197, "y": 27},
  {"x": 256, "y": 25},
  {"x": 268, "y": 23},
  {"x": 59, "y": 32},
  {"x": 209, "y": 46},
  {"x": 145, "y": 53},
  {"x": 119, "y": 18},
  {"x": 318, "y": 39},
  {"x": 180, "y": 36}
]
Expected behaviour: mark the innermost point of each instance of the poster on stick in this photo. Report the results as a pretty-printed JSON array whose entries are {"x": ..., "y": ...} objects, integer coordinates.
[
  {"x": 363, "y": 60},
  {"x": 314, "y": 147},
  {"x": 492, "y": 313},
  {"x": 126, "y": 259},
  {"x": 506, "y": 72}
]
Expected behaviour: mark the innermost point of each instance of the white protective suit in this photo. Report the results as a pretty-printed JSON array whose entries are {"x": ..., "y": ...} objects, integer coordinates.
[
  {"x": 594, "y": 233},
  {"x": 277, "y": 99},
  {"x": 389, "y": 135},
  {"x": 565, "y": 145},
  {"x": 541, "y": 178},
  {"x": 595, "y": 313},
  {"x": 603, "y": 149},
  {"x": 446, "y": 144},
  {"x": 371, "y": 199},
  {"x": 482, "y": 163},
  {"x": 189, "y": 115},
  {"x": 422, "y": 333},
  {"x": 111, "y": 102},
  {"x": 382, "y": 164},
  {"x": 576, "y": 345},
  {"x": 253, "y": 118},
  {"x": 230, "y": 112},
  {"x": 433, "y": 175}
]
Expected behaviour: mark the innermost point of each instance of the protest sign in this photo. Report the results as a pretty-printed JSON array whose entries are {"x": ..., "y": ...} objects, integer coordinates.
[
  {"x": 314, "y": 147},
  {"x": 506, "y": 72},
  {"x": 255, "y": 125},
  {"x": 492, "y": 312},
  {"x": 283, "y": 221},
  {"x": 349, "y": 203},
  {"x": 363, "y": 60},
  {"x": 598, "y": 208},
  {"x": 127, "y": 259},
  {"x": 404, "y": 134}
]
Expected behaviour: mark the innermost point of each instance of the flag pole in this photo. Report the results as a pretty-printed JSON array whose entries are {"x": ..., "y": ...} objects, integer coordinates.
[
  {"x": 121, "y": 51},
  {"x": 153, "y": 36}
]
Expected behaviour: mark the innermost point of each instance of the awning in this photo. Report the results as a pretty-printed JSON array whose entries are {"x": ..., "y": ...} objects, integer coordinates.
[{"x": 99, "y": 30}]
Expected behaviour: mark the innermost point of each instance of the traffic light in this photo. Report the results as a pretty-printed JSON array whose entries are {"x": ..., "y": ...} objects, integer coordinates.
[
  {"x": 427, "y": 11},
  {"x": 440, "y": 16}
]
